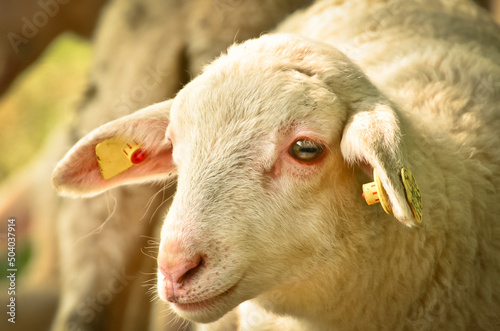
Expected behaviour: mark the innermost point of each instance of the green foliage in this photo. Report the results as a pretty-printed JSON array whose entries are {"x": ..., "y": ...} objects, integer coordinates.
[{"x": 40, "y": 99}]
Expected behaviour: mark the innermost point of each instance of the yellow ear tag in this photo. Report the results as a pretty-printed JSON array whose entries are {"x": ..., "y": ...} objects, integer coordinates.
[
  {"x": 374, "y": 193},
  {"x": 115, "y": 155},
  {"x": 413, "y": 195}
]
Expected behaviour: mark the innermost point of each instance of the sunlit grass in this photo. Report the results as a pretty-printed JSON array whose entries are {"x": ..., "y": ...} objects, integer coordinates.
[{"x": 40, "y": 99}]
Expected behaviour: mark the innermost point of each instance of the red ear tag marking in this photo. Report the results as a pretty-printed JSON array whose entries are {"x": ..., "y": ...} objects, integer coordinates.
[
  {"x": 138, "y": 156},
  {"x": 115, "y": 155}
]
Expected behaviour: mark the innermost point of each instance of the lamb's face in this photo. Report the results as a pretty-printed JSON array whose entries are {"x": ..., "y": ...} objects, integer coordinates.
[
  {"x": 256, "y": 147},
  {"x": 260, "y": 144}
]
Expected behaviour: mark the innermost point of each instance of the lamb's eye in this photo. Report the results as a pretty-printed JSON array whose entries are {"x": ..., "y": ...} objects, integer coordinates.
[{"x": 306, "y": 150}]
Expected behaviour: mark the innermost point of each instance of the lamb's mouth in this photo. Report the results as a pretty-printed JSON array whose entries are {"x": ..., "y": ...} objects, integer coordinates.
[{"x": 203, "y": 304}]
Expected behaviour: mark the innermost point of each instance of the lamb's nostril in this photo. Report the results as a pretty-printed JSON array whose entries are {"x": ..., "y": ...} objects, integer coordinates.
[
  {"x": 192, "y": 269},
  {"x": 179, "y": 270}
]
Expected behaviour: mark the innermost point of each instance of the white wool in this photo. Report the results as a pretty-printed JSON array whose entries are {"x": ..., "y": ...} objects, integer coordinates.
[{"x": 297, "y": 239}]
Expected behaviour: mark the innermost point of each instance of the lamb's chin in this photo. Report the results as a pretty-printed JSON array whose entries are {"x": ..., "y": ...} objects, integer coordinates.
[{"x": 207, "y": 310}]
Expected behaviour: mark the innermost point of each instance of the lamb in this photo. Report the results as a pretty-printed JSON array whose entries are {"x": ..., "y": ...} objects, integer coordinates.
[
  {"x": 168, "y": 41},
  {"x": 180, "y": 39},
  {"x": 270, "y": 146}
]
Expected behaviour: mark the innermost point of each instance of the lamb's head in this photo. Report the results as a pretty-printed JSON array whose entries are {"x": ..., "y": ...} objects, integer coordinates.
[{"x": 268, "y": 145}]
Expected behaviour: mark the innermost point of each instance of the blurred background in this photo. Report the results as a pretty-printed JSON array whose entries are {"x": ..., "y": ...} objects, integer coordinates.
[
  {"x": 46, "y": 55},
  {"x": 39, "y": 100}
]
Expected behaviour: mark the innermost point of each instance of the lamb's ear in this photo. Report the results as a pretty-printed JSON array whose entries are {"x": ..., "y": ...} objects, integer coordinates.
[
  {"x": 79, "y": 172},
  {"x": 372, "y": 137},
  {"x": 372, "y": 133}
]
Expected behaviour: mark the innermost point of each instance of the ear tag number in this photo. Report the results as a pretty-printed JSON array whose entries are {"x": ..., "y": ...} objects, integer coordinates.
[
  {"x": 413, "y": 195},
  {"x": 115, "y": 155},
  {"x": 374, "y": 192}
]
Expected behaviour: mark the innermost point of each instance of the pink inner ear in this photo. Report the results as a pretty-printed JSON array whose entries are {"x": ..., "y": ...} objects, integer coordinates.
[
  {"x": 159, "y": 166},
  {"x": 80, "y": 170},
  {"x": 78, "y": 173},
  {"x": 169, "y": 133},
  {"x": 82, "y": 174}
]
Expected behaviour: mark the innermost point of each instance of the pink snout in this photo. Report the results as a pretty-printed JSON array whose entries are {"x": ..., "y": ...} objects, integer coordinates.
[{"x": 176, "y": 269}]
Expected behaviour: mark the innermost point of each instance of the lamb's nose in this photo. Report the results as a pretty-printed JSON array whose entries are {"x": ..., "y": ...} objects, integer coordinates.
[{"x": 176, "y": 270}]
